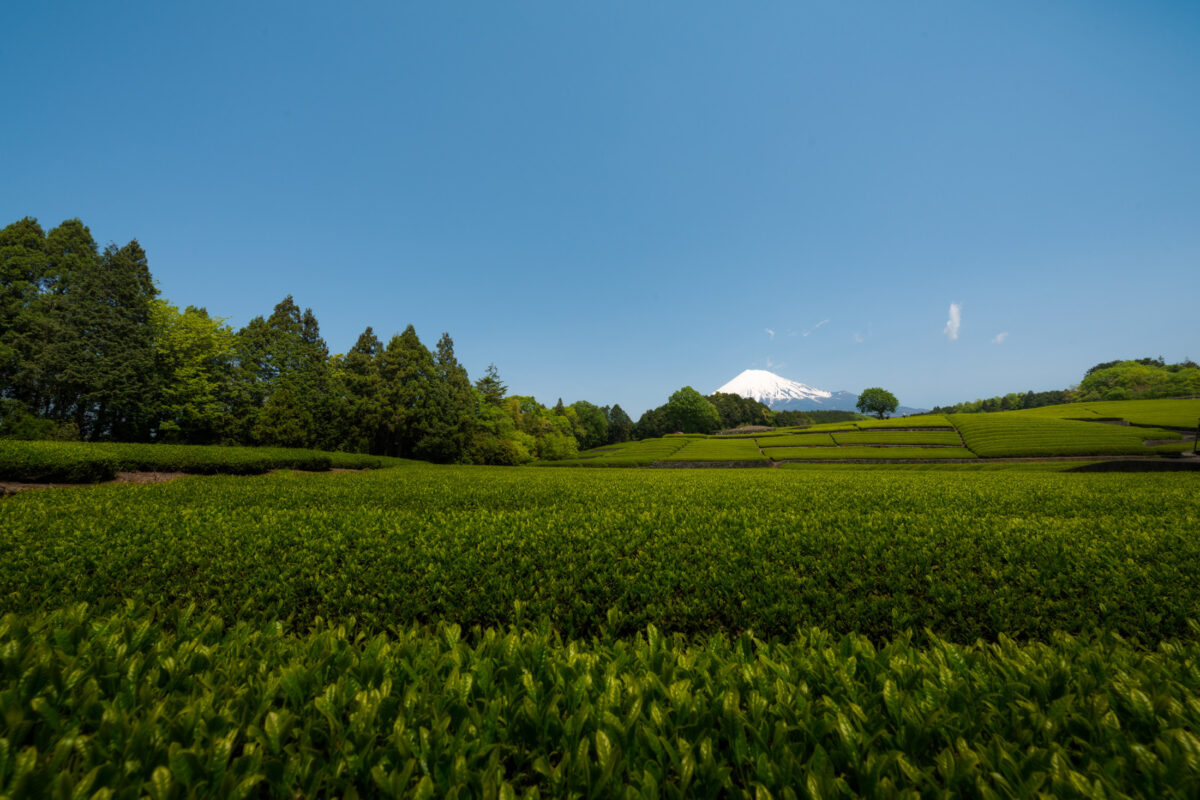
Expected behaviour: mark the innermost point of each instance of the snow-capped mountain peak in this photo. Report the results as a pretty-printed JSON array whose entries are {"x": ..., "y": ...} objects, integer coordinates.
[{"x": 771, "y": 389}]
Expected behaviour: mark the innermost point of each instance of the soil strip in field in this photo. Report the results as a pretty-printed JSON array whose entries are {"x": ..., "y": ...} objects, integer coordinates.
[{"x": 12, "y": 487}]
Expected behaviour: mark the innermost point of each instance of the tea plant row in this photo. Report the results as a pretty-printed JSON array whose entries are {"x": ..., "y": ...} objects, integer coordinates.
[
  {"x": 966, "y": 555},
  {"x": 130, "y": 703}
]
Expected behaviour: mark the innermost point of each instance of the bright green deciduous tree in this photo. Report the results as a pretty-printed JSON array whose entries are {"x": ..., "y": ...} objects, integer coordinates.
[
  {"x": 877, "y": 401},
  {"x": 590, "y": 424},
  {"x": 194, "y": 355},
  {"x": 691, "y": 412}
]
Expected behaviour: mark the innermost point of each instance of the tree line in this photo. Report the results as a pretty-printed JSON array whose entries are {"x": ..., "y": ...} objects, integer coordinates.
[{"x": 90, "y": 350}]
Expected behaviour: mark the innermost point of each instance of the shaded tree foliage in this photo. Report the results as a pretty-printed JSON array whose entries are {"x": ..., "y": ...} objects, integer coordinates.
[
  {"x": 620, "y": 426},
  {"x": 76, "y": 343},
  {"x": 736, "y": 410}
]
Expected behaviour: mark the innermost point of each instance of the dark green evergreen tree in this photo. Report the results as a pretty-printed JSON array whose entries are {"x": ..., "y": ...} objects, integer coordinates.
[
  {"x": 285, "y": 355},
  {"x": 23, "y": 269},
  {"x": 454, "y": 408},
  {"x": 407, "y": 371},
  {"x": 620, "y": 426},
  {"x": 491, "y": 387},
  {"x": 62, "y": 364},
  {"x": 118, "y": 330},
  {"x": 363, "y": 409},
  {"x": 97, "y": 362}
]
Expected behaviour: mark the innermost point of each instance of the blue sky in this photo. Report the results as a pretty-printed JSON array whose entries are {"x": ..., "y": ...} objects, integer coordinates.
[{"x": 613, "y": 200}]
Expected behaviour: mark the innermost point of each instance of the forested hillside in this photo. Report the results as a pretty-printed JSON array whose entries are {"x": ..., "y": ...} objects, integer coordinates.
[{"x": 1135, "y": 379}]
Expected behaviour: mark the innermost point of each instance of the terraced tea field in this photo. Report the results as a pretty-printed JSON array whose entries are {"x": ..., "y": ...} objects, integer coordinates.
[
  {"x": 899, "y": 438},
  {"x": 999, "y": 436},
  {"x": 867, "y": 453},
  {"x": 921, "y": 421},
  {"x": 1179, "y": 414},
  {"x": 719, "y": 450},
  {"x": 1067, "y": 431}
]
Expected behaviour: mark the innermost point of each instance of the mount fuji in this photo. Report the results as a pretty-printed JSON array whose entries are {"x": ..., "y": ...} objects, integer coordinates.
[{"x": 779, "y": 393}]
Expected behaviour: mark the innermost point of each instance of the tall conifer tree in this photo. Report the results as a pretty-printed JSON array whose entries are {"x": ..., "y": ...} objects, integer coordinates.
[
  {"x": 407, "y": 371},
  {"x": 23, "y": 268}
]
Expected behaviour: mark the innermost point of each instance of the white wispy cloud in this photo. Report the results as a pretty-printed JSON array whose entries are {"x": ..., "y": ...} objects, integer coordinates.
[
  {"x": 858, "y": 338},
  {"x": 771, "y": 333},
  {"x": 954, "y": 323},
  {"x": 772, "y": 364},
  {"x": 999, "y": 338},
  {"x": 814, "y": 327}
]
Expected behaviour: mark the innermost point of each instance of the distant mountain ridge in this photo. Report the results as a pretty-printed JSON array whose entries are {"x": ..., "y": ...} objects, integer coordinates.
[{"x": 782, "y": 394}]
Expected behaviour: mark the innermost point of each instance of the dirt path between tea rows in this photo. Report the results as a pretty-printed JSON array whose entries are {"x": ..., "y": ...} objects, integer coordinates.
[{"x": 12, "y": 487}]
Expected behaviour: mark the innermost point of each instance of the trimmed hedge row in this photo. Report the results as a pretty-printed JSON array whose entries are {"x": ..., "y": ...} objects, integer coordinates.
[{"x": 90, "y": 462}]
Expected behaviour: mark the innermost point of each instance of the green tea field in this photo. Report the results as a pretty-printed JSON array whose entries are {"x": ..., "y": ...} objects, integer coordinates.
[{"x": 427, "y": 631}]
